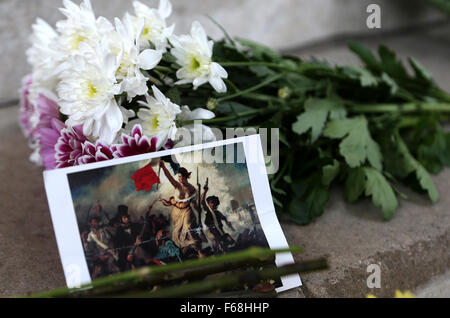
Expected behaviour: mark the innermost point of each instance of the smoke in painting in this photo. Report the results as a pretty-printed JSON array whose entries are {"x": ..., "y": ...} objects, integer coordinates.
[{"x": 154, "y": 212}]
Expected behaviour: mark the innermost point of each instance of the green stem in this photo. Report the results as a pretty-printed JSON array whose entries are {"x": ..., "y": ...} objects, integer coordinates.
[
  {"x": 272, "y": 65},
  {"x": 408, "y": 122},
  {"x": 177, "y": 277},
  {"x": 162, "y": 68},
  {"x": 253, "y": 88},
  {"x": 148, "y": 273},
  {"x": 239, "y": 115},
  {"x": 230, "y": 281},
  {"x": 401, "y": 108},
  {"x": 233, "y": 86},
  {"x": 253, "y": 96},
  {"x": 261, "y": 97}
]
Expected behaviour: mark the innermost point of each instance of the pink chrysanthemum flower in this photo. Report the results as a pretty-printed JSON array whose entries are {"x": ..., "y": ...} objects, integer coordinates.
[
  {"x": 69, "y": 147},
  {"x": 135, "y": 144},
  {"x": 94, "y": 153},
  {"x": 63, "y": 146},
  {"x": 36, "y": 114},
  {"x": 47, "y": 111},
  {"x": 48, "y": 139}
]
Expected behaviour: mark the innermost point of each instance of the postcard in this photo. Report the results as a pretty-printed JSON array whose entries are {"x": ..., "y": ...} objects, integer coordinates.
[{"x": 163, "y": 207}]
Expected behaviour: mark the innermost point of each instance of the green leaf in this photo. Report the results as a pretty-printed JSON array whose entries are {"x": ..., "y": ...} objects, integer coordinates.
[
  {"x": 227, "y": 52},
  {"x": 422, "y": 175},
  {"x": 355, "y": 184},
  {"x": 303, "y": 211},
  {"x": 298, "y": 212},
  {"x": 365, "y": 55},
  {"x": 300, "y": 84},
  {"x": 420, "y": 71},
  {"x": 260, "y": 52},
  {"x": 231, "y": 108},
  {"x": 434, "y": 151},
  {"x": 309, "y": 199},
  {"x": 365, "y": 77},
  {"x": 401, "y": 163},
  {"x": 316, "y": 114},
  {"x": 174, "y": 95},
  {"x": 394, "y": 88},
  {"x": 330, "y": 172},
  {"x": 316, "y": 200},
  {"x": 357, "y": 145},
  {"x": 169, "y": 58},
  {"x": 379, "y": 189},
  {"x": 262, "y": 71},
  {"x": 391, "y": 65},
  {"x": 427, "y": 183}
]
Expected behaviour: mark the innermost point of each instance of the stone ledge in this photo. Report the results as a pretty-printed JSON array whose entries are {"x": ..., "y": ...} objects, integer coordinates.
[{"x": 411, "y": 249}]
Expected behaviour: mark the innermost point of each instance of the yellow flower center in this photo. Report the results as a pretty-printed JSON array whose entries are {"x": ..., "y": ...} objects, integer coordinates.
[
  {"x": 125, "y": 65},
  {"x": 91, "y": 90},
  {"x": 146, "y": 31},
  {"x": 194, "y": 65},
  {"x": 155, "y": 122},
  {"x": 75, "y": 43}
]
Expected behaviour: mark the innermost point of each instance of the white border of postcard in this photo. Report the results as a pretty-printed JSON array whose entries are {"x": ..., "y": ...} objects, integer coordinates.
[{"x": 66, "y": 227}]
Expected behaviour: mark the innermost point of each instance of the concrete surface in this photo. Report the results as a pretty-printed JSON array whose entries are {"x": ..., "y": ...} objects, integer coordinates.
[
  {"x": 412, "y": 249},
  {"x": 438, "y": 287},
  {"x": 29, "y": 257},
  {"x": 280, "y": 23}
]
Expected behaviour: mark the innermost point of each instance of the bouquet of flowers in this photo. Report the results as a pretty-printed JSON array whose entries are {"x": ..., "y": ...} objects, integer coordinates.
[{"x": 101, "y": 90}]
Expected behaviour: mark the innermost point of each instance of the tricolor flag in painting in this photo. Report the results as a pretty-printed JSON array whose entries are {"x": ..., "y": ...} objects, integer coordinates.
[{"x": 145, "y": 178}]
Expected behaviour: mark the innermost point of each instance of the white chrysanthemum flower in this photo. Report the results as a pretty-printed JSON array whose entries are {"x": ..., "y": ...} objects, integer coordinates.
[
  {"x": 44, "y": 59},
  {"x": 130, "y": 59},
  {"x": 86, "y": 93},
  {"x": 193, "y": 53},
  {"x": 80, "y": 26},
  {"x": 155, "y": 28},
  {"x": 197, "y": 132},
  {"x": 159, "y": 117}
]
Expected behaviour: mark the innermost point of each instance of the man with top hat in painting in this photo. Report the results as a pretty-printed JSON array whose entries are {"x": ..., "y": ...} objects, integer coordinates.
[{"x": 126, "y": 237}]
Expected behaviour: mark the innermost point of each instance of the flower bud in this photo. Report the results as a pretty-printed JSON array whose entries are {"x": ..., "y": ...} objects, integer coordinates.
[
  {"x": 212, "y": 104},
  {"x": 284, "y": 92}
]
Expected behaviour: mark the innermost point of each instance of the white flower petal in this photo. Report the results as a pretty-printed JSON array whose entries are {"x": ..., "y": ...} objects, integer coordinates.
[
  {"x": 148, "y": 59},
  {"x": 165, "y": 8},
  {"x": 198, "y": 33},
  {"x": 199, "y": 81},
  {"x": 159, "y": 95},
  {"x": 127, "y": 114},
  {"x": 218, "y": 70},
  {"x": 199, "y": 134},
  {"x": 197, "y": 114},
  {"x": 218, "y": 84}
]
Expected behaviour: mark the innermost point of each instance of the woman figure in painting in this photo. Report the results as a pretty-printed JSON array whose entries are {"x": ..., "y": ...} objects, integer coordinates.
[{"x": 186, "y": 232}]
